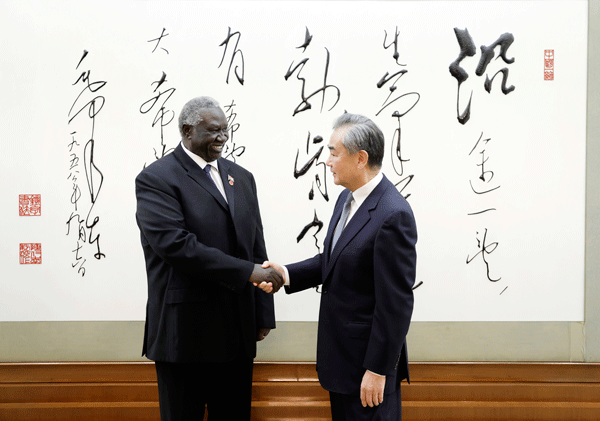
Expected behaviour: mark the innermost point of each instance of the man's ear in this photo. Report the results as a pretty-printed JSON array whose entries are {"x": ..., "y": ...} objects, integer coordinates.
[
  {"x": 363, "y": 159},
  {"x": 186, "y": 130}
]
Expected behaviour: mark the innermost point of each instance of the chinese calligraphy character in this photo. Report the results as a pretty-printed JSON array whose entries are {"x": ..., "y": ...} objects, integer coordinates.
[
  {"x": 236, "y": 51},
  {"x": 467, "y": 49}
]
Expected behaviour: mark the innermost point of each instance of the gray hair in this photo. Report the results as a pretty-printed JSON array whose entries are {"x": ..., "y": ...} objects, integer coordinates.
[
  {"x": 190, "y": 114},
  {"x": 362, "y": 134}
]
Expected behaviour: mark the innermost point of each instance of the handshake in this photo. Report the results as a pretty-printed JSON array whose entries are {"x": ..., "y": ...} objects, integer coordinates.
[{"x": 269, "y": 277}]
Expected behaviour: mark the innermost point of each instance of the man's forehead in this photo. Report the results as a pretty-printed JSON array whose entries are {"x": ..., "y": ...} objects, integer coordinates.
[
  {"x": 335, "y": 144},
  {"x": 216, "y": 112},
  {"x": 335, "y": 141},
  {"x": 212, "y": 114}
]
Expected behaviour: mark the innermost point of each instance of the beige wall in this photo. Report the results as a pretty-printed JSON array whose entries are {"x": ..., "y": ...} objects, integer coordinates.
[{"x": 295, "y": 341}]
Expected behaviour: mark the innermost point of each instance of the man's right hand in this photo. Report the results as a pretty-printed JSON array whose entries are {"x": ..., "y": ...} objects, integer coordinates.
[{"x": 268, "y": 275}]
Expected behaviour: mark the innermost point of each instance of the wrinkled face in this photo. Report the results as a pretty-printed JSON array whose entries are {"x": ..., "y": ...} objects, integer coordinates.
[
  {"x": 344, "y": 166},
  {"x": 207, "y": 138}
]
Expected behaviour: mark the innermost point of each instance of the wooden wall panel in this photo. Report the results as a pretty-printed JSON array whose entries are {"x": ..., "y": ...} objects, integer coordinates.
[{"x": 291, "y": 391}]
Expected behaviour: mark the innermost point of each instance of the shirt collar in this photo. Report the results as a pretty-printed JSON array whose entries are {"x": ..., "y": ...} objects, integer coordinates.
[
  {"x": 361, "y": 193},
  {"x": 199, "y": 160}
]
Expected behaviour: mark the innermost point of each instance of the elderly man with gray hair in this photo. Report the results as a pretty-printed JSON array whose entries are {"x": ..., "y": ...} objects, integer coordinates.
[
  {"x": 202, "y": 237},
  {"x": 367, "y": 271}
]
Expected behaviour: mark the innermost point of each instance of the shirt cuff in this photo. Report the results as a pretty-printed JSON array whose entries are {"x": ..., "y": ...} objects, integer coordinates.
[
  {"x": 286, "y": 277},
  {"x": 380, "y": 375}
]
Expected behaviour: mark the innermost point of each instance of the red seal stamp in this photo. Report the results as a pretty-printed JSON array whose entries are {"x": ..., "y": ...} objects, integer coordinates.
[
  {"x": 30, "y": 204},
  {"x": 30, "y": 253},
  {"x": 548, "y": 64}
]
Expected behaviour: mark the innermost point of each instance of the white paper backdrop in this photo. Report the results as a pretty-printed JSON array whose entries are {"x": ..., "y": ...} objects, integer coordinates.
[{"x": 534, "y": 237}]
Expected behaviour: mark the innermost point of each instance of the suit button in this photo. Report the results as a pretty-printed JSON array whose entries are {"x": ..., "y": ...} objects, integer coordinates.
[{"x": 324, "y": 291}]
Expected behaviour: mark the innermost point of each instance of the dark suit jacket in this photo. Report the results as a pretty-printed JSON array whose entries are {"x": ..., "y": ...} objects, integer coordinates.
[
  {"x": 367, "y": 298},
  {"x": 200, "y": 252}
]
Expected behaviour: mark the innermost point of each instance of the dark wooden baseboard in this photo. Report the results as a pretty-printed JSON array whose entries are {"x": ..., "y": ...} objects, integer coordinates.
[{"x": 291, "y": 391}]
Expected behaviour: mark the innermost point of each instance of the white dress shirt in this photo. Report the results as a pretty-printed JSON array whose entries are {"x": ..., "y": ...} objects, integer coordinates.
[
  {"x": 361, "y": 194},
  {"x": 214, "y": 170}
]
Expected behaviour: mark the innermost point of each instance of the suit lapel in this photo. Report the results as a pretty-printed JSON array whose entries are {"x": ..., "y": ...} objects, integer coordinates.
[
  {"x": 232, "y": 189},
  {"x": 197, "y": 174},
  {"x": 355, "y": 225},
  {"x": 228, "y": 183}
]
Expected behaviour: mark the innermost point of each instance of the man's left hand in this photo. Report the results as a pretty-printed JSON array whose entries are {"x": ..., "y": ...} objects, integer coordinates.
[
  {"x": 371, "y": 389},
  {"x": 262, "y": 333}
]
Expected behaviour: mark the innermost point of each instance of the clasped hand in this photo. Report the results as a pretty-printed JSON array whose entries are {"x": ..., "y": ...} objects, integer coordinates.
[{"x": 266, "y": 278}]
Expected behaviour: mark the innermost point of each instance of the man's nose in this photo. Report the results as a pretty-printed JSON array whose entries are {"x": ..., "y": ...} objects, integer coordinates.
[{"x": 223, "y": 135}]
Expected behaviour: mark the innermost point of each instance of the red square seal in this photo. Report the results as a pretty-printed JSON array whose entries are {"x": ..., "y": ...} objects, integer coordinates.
[
  {"x": 30, "y": 204},
  {"x": 548, "y": 64},
  {"x": 30, "y": 253}
]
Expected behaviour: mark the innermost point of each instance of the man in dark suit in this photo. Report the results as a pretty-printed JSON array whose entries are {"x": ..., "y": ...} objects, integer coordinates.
[
  {"x": 367, "y": 271},
  {"x": 202, "y": 237}
]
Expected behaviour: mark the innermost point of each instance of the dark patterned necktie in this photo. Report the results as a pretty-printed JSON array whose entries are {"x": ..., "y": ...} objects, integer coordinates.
[{"x": 207, "y": 169}]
